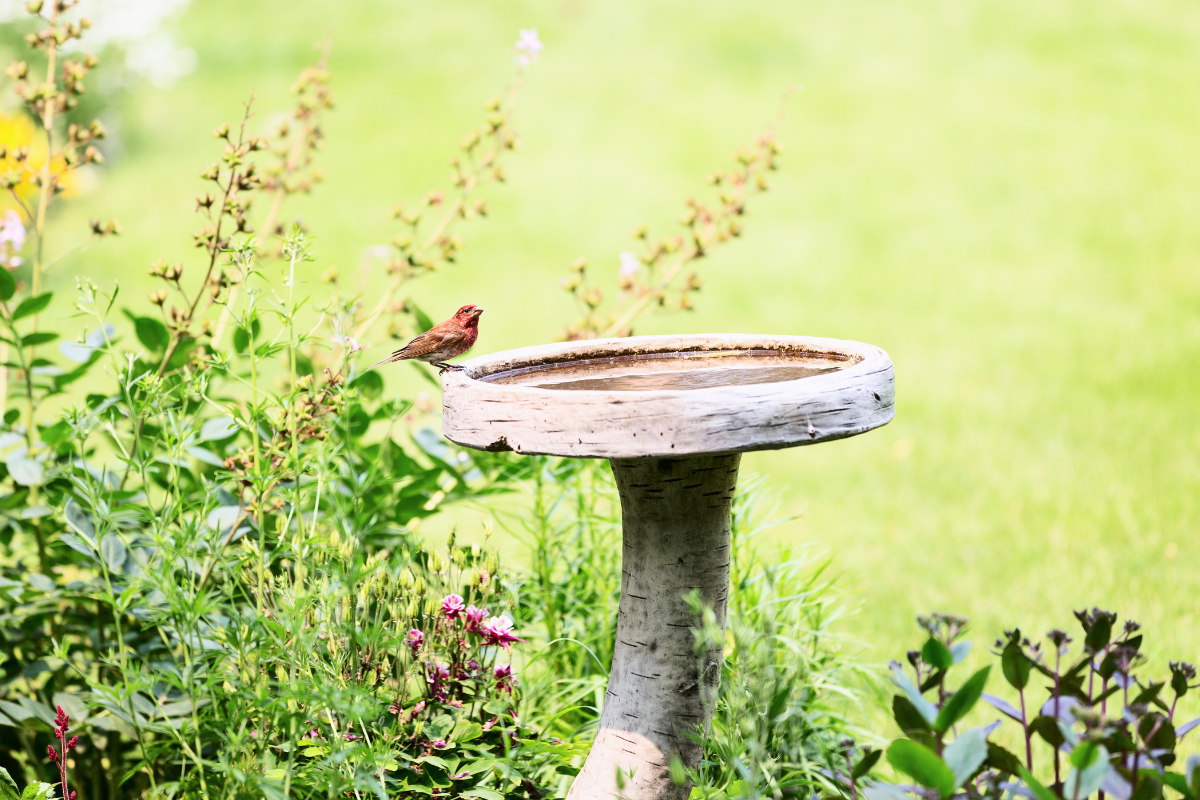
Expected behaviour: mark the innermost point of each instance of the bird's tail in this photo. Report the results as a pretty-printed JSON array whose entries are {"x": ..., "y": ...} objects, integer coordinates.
[{"x": 388, "y": 360}]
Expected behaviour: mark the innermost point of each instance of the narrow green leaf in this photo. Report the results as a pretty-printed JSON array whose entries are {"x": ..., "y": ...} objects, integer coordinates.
[
  {"x": 32, "y": 305},
  {"x": 8, "y": 286},
  {"x": 962, "y": 701},
  {"x": 866, "y": 763},
  {"x": 1037, "y": 787},
  {"x": 34, "y": 339}
]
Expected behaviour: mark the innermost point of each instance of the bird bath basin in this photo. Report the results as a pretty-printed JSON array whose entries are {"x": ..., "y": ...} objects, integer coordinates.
[{"x": 673, "y": 415}]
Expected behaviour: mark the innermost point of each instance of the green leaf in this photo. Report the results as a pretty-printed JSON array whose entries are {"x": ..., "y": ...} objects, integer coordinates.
[
  {"x": 1037, "y": 787},
  {"x": 423, "y": 320},
  {"x": 1157, "y": 732},
  {"x": 936, "y": 654},
  {"x": 32, "y": 305},
  {"x": 369, "y": 383},
  {"x": 966, "y": 754},
  {"x": 962, "y": 701},
  {"x": 34, "y": 339},
  {"x": 922, "y": 765},
  {"x": 866, "y": 763},
  {"x": 1085, "y": 755},
  {"x": 1002, "y": 760},
  {"x": 8, "y": 286},
  {"x": 1047, "y": 728},
  {"x": 1015, "y": 665},
  {"x": 906, "y": 715},
  {"x": 241, "y": 336},
  {"x": 485, "y": 794},
  {"x": 923, "y": 707},
  {"x": 8, "y": 787},
  {"x": 1085, "y": 777},
  {"x": 960, "y": 651},
  {"x": 1178, "y": 783},
  {"x": 1192, "y": 772},
  {"x": 218, "y": 429},
  {"x": 151, "y": 333},
  {"x": 38, "y": 791},
  {"x": 1149, "y": 786},
  {"x": 54, "y": 434}
]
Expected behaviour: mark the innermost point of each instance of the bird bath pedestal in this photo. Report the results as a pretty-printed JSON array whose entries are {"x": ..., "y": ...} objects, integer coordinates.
[{"x": 673, "y": 415}]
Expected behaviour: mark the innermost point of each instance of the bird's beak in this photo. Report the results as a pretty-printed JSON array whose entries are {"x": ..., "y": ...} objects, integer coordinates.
[{"x": 475, "y": 312}]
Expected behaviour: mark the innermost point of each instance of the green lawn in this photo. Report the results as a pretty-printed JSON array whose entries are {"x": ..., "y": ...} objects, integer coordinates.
[{"x": 1003, "y": 195}]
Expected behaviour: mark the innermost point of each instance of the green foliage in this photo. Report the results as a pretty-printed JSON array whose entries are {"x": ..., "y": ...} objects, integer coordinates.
[
  {"x": 1112, "y": 732},
  {"x": 789, "y": 685}
]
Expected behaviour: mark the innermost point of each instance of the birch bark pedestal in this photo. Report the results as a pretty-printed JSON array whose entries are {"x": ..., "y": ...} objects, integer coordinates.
[{"x": 676, "y": 526}]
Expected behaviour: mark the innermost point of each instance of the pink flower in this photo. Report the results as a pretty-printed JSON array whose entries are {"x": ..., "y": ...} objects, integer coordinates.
[
  {"x": 12, "y": 239},
  {"x": 460, "y": 776},
  {"x": 528, "y": 46},
  {"x": 475, "y": 617},
  {"x": 440, "y": 744},
  {"x": 415, "y": 639},
  {"x": 452, "y": 606},
  {"x": 498, "y": 630},
  {"x": 417, "y": 709},
  {"x": 504, "y": 674},
  {"x": 437, "y": 676},
  {"x": 52, "y": 753}
]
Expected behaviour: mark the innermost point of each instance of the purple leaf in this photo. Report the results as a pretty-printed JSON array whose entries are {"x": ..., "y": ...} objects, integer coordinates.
[
  {"x": 1065, "y": 704},
  {"x": 1116, "y": 786},
  {"x": 1186, "y": 728},
  {"x": 1003, "y": 706}
]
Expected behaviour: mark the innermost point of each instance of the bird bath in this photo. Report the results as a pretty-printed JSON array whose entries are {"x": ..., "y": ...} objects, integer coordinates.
[{"x": 673, "y": 415}]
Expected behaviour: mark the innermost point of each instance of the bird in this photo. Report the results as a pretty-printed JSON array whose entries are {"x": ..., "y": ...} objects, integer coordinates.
[{"x": 446, "y": 340}]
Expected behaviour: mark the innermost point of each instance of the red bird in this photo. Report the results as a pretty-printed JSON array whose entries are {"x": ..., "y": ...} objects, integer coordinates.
[{"x": 447, "y": 340}]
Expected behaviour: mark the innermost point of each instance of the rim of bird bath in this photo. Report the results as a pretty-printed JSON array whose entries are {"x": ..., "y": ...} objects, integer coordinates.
[{"x": 673, "y": 414}]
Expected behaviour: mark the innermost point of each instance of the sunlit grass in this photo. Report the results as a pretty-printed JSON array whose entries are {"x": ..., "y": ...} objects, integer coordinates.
[{"x": 1004, "y": 197}]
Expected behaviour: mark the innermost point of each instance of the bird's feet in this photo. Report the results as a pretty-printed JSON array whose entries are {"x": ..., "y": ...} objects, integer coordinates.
[{"x": 449, "y": 367}]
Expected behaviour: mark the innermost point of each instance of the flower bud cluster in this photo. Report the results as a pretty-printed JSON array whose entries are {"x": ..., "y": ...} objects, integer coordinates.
[
  {"x": 654, "y": 278},
  {"x": 427, "y": 240}
]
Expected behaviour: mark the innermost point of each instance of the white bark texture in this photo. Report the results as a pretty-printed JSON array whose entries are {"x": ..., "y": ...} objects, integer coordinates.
[
  {"x": 676, "y": 522},
  {"x": 630, "y": 424}
]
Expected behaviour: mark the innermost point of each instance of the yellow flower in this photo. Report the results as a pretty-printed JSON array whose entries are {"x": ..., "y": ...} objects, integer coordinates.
[{"x": 18, "y": 131}]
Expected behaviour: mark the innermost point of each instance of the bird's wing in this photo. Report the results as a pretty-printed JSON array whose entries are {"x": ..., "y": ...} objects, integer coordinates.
[{"x": 431, "y": 341}]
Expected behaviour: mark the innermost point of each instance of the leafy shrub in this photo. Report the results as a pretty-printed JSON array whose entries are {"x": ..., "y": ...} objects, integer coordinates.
[
  {"x": 209, "y": 564},
  {"x": 1108, "y": 731}
]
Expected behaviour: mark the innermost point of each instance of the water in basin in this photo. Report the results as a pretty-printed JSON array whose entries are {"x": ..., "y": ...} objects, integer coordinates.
[{"x": 692, "y": 370}]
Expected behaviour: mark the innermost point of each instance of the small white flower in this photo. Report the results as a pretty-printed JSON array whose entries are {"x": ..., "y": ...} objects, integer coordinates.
[
  {"x": 352, "y": 344},
  {"x": 629, "y": 264},
  {"x": 528, "y": 46}
]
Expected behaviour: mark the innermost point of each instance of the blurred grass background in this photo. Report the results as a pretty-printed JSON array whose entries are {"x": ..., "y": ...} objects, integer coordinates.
[{"x": 1004, "y": 196}]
